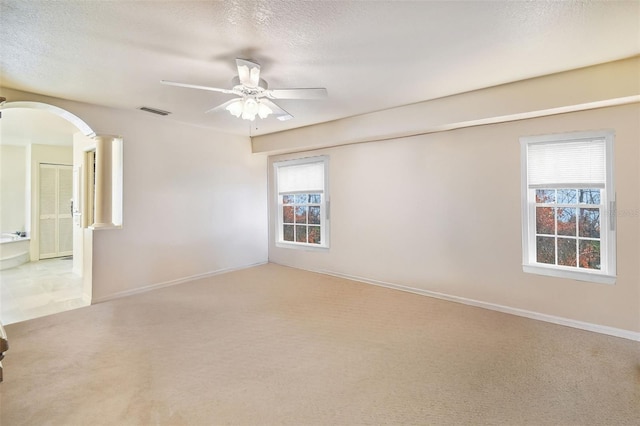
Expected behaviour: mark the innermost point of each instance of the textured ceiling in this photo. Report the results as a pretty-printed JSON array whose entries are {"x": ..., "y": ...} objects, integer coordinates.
[{"x": 370, "y": 55}]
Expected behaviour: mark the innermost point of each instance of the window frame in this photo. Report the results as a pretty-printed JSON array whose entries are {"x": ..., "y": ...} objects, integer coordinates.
[
  {"x": 607, "y": 272},
  {"x": 324, "y": 205}
]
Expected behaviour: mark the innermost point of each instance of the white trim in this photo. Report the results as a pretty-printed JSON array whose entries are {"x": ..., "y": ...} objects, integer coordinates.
[
  {"x": 568, "y": 136},
  {"x": 596, "y": 328},
  {"x": 104, "y": 227},
  {"x": 573, "y": 273},
  {"x": 607, "y": 234},
  {"x": 170, "y": 283},
  {"x": 324, "y": 205},
  {"x": 299, "y": 161},
  {"x": 301, "y": 246}
]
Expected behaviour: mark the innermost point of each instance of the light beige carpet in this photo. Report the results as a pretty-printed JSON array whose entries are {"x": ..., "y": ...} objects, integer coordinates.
[{"x": 272, "y": 345}]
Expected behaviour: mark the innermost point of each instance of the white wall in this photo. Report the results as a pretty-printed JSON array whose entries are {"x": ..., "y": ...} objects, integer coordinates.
[
  {"x": 194, "y": 201},
  {"x": 440, "y": 212},
  {"x": 13, "y": 175}
]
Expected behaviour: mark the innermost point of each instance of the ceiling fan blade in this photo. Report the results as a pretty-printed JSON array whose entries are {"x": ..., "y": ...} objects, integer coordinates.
[
  {"x": 248, "y": 72},
  {"x": 221, "y": 107},
  {"x": 316, "y": 93},
  {"x": 194, "y": 86},
  {"x": 278, "y": 112}
]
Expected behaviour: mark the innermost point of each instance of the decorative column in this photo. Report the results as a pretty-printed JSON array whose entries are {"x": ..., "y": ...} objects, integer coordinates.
[{"x": 102, "y": 204}]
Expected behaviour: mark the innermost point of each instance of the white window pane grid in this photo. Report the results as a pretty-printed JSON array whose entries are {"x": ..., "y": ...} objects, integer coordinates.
[
  {"x": 561, "y": 238},
  {"x": 301, "y": 216}
]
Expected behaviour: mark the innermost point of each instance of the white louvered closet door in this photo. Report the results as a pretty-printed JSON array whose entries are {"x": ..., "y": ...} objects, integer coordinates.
[{"x": 56, "y": 221}]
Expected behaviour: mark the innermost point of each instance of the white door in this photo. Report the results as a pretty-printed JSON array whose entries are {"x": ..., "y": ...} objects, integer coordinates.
[{"x": 56, "y": 219}]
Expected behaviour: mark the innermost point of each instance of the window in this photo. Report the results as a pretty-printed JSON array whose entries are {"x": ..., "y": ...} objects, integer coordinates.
[
  {"x": 302, "y": 191},
  {"x": 568, "y": 206}
]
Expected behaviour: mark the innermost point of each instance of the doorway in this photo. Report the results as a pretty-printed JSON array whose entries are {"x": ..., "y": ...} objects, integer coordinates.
[{"x": 41, "y": 139}]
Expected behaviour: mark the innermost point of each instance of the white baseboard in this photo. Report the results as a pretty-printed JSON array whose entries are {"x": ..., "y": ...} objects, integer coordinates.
[
  {"x": 156, "y": 286},
  {"x": 603, "y": 329}
]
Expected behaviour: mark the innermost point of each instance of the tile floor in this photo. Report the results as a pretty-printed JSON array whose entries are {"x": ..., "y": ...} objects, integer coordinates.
[{"x": 39, "y": 288}]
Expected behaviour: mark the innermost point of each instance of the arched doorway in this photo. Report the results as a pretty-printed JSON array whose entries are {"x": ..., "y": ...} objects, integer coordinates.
[{"x": 45, "y": 144}]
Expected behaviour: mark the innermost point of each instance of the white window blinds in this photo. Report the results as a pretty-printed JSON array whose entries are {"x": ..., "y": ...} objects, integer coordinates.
[
  {"x": 306, "y": 177},
  {"x": 572, "y": 164}
]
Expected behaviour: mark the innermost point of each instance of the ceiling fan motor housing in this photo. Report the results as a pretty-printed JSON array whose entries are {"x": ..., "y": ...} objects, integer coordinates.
[{"x": 250, "y": 91}]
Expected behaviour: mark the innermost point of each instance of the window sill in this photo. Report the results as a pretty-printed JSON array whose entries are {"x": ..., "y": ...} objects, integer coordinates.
[
  {"x": 104, "y": 227},
  {"x": 575, "y": 275},
  {"x": 299, "y": 246}
]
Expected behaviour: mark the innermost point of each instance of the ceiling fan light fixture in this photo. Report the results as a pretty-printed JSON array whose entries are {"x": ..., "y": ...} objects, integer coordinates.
[
  {"x": 236, "y": 108},
  {"x": 250, "y": 109}
]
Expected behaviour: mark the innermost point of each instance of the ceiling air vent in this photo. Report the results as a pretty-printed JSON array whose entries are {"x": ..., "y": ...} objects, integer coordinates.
[{"x": 154, "y": 111}]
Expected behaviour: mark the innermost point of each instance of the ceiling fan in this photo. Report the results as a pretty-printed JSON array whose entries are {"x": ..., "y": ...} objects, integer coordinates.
[{"x": 254, "y": 97}]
